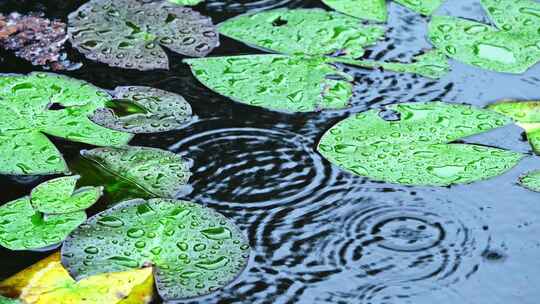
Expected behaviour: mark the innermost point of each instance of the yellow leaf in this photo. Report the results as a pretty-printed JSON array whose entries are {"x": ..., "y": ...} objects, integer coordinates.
[{"x": 48, "y": 282}]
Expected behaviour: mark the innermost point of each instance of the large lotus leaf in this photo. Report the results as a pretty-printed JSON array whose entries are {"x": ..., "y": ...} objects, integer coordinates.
[
  {"x": 23, "y": 228},
  {"x": 526, "y": 114},
  {"x": 159, "y": 172},
  {"x": 41, "y": 103},
  {"x": 283, "y": 83},
  {"x": 414, "y": 149},
  {"x": 517, "y": 16},
  {"x": 424, "y": 7},
  {"x": 59, "y": 196},
  {"x": 365, "y": 9},
  {"x": 144, "y": 110},
  {"x": 186, "y": 2},
  {"x": 303, "y": 31},
  {"x": 133, "y": 34},
  {"x": 484, "y": 46},
  {"x": 194, "y": 250},
  {"x": 47, "y": 282},
  {"x": 531, "y": 181}
]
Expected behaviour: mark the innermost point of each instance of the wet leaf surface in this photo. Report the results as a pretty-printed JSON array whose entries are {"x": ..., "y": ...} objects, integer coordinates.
[
  {"x": 159, "y": 172},
  {"x": 526, "y": 114},
  {"x": 276, "y": 82},
  {"x": 194, "y": 250},
  {"x": 132, "y": 34},
  {"x": 412, "y": 147},
  {"x": 47, "y": 282},
  {"x": 45, "y": 218},
  {"x": 303, "y": 31},
  {"x": 39, "y": 103},
  {"x": 424, "y": 7},
  {"x": 186, "y": 2},
  {"x": 514, "y": 16},
  {"x": 143, "y": 110},
  {"x": 376, "y": 9},
  {"x": 531, "y": 181},
  {"x": 484, "y": 46}
]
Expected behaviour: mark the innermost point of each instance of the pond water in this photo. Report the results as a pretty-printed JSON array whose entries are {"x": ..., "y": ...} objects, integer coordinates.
[{"x": 319, "y": 234}]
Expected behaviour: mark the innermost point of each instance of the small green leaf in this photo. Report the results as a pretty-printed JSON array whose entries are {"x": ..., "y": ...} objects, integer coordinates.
[
  {"x": 514, "y": 16},
  {"x": 424, "y": 7},
  {"x": 276, "y": 82},
  {"x": 415, "y": 148},
  {"x": 143, "y": 110},
  {"x": 526, "y": 114},
  {"x": 40, "y": 103},
  {"x": 484, "y": 46},
  {"x": 159, "y": 172},
  {"x": 59, "y": 196},
  {"x": 531, "y": 181},
  {"x": 303, "y": 31},
  {"x": 193, "y": 249},
  {"x": 134, "y": 34},
  {"x": 186, "y": 2},
  {"x": 365, "y": 9}
]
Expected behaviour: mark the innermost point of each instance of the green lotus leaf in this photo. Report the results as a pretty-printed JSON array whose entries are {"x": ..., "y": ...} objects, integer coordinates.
[
  {"x": 417, "y": 148},
  {"x": 59, "y": 196},
  {"x": 527, "y": 116},
  {"x": 186, "y": 2},
  {"x": 303, "y": 31},
  {"x": 40, "y": 103},
  {"x": 193, "y": 249},
  {"x": 531, "y": 181},
  {"x": 4, "y": 300},
  {"x": 132, "y": 34},
  {"x": 143, "y": 110},
  {"x": 158, "y": 172},
  {"x": 376, "y": 9},
  {"x": 365, "y": 9},
  {"x": 277, "y": 82},
  {"x": 484, "y": 46},
  {"x": 515, "y": 16}
]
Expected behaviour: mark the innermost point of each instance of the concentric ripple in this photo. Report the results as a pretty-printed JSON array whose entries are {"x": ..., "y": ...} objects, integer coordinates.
[
  {"x": 401, "y": 248},
  {"x": 255, "y": 168}
]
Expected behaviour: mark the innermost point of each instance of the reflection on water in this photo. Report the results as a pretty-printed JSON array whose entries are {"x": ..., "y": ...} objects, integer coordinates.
[{"x": 321, "y": 235}]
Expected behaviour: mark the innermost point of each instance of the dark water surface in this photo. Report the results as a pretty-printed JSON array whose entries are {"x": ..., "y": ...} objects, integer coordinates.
[{"x": 320, "y": 235}]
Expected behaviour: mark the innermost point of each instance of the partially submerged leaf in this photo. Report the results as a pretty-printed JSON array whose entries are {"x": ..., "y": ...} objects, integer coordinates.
[
  {"x": 47, "y": 282},
  {"x": 484, "y": 46},
  {"x": 303, "y": 31},
  {"x": 144, "y": 110},
  {"x": 365, "y": 9},
  {"x": 40, "y": 103},
  {"x": 159, "y": 172},
  {"x": 45, "y": 218},
  {"x": 276, "y": 82},
  {"x": 514, "y": 16},
  {"x": 526, "y": 114},
  {"x": 416, "y": 149},
  {"x": 424, "y": 7},
  {"x": 194, "y": 250},
  {"x": 133, "y": 34},
  {"x": 531, "y": 181},
  {"x": 186, "y": 2}
]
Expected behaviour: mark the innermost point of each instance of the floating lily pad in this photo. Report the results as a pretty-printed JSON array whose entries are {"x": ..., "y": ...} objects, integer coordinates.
[
  {"x": 365, "y": 9},
  {"x": 194, "y": 250},
  {"x": 515, "y": 16},
  {"x": 59, "y": 196},
  {"x": 282, "y": 83},
  {"x": 376, "y": 9},
  {"x": 41, "y": 220},
  {"x": 186, "y": 2},
  {"x": 416, "y": 148},
  {"x": 531, "y": 181},
  {"x": 303, "y": 31},
  {"x": 484, "y": 46},
  {"x": 526, "y": 114},
  {"x": 133, "y": 34},
  {"x": 40, "y": 103},
  {"x": 158, "y": 172},
  {"x": 48, "y": 282},
  {"x": 144, "y": 110}
]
